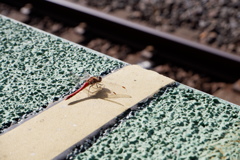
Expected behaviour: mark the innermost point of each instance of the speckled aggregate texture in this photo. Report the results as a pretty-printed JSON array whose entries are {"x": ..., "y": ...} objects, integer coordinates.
[
  {"x": 179, "y": 123},
  {"x": 36, "y": 67}
]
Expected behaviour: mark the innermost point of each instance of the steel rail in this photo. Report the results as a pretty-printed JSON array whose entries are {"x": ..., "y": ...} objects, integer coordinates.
[{"x": 211, "y": 61}]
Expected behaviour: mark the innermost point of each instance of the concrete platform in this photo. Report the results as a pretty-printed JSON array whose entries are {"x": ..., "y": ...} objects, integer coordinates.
[{"x": 178, "y": 122}]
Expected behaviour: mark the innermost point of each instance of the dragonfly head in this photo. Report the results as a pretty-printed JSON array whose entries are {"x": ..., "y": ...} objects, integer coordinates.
[
  {"x": 95, "y": 79},
  {"x": 99, "y": 79}
]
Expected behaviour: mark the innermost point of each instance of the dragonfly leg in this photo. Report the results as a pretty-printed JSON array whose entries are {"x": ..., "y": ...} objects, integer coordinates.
[
  {"x": 95, "y": 91},
  {"x": 100, "y": 85}
]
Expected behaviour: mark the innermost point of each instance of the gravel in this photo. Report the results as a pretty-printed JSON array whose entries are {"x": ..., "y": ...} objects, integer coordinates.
[{"x": 216, "y": 22}]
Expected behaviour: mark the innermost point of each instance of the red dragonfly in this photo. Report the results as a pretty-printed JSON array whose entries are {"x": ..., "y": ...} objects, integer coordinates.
[{"x": 90, "y": 81}]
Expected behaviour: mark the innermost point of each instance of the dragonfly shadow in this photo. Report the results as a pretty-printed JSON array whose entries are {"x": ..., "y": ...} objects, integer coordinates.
[{"x": 102, "y": 94}]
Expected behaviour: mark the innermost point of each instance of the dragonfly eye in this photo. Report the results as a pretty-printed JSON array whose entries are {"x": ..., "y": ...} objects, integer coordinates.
[{"x": 98, "y": 78}]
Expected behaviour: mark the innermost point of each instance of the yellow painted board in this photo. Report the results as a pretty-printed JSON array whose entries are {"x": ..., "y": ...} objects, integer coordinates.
[{"x": 63, "y": 125}]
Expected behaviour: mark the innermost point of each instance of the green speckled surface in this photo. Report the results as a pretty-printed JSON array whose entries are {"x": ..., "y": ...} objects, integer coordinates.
[
  {"x": 180, "y": 124},
  {"x": 35, "y": 67}
]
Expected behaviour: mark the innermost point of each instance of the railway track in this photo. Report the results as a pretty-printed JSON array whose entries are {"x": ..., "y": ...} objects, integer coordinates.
[
  {"x": 170, "y": 48},
  {"x": 167, "y": 48}
]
